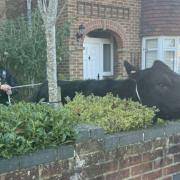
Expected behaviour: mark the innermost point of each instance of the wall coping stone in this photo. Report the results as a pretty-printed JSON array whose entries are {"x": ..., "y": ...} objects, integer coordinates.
[
  {"x": 36, "y": 158},
  {"x": 86, "y": 133},
  {"x": 176, "y": 177}
]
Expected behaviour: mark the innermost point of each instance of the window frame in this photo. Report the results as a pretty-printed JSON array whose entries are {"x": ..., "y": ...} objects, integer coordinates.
[
  {"x": 178, "y": 55},
  {"x": 151, "y": 49},
  {"x": 111, "y": 72},
  {"x": 161, "y": 50}
]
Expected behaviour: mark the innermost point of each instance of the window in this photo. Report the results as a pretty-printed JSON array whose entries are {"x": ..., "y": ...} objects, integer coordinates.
[
  {"x": 106, "y": 57},
  {"x": 169, "y": 50},
  {"x": 166, "y": 49},
  {"x": 151, "y": 51},
  {"x": 178, "y": 57}
]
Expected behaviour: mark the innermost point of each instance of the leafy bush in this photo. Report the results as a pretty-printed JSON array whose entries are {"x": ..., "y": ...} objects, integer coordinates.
[
  {"x": 26, "y": 127},
  {"x": 111, "y": 113}
]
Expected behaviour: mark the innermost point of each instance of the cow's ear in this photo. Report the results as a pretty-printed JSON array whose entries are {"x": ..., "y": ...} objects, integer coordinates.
[{"x": 130, "y": 69}]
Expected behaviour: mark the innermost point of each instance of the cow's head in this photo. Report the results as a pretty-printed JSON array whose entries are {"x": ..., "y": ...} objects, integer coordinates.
[{"x": 158, "y": 86}]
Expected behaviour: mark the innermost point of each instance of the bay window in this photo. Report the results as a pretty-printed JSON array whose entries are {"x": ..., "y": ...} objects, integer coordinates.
[{"x": 166, "y": 49}]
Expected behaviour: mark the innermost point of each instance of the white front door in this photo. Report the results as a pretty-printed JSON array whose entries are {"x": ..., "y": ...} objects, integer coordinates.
[
  {"x": 97, "y": 58},
  {"x": 91, "y": 62}
]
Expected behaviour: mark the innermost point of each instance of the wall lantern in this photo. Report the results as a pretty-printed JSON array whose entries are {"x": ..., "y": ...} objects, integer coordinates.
[{"x": 80, "y": 33}]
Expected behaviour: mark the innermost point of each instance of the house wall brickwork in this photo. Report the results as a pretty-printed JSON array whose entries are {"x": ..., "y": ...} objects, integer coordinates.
[
  {"x": 121, "y": 18},
  {"x": 160, "y": 17}
]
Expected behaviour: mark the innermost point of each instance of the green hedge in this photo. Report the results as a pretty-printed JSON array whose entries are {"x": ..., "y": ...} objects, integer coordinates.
[
  {"x": 111, "y": 113},
  {"x": 26, "y": 127}
]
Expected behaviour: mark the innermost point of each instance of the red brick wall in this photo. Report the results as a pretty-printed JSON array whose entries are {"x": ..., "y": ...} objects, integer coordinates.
[
  {"x": 160, "y": 17},
  {"x": 112, "y": 157},
  {"x": 154, "y": 159}
]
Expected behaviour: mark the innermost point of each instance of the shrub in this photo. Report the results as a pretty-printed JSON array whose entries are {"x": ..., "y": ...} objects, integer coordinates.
[
  {"x": 26, "y": 127},
  {"x": 111, "y": 113}
]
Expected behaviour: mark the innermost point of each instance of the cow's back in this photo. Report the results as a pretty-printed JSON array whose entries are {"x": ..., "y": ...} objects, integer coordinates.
[{"x": 121, "y": 88}]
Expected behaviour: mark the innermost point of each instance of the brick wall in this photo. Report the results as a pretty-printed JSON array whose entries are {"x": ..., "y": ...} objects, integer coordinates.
[
  {"x": 139, "y": 155},
  {"x": 17, "y": 8},
  {"x": 124, "y": 27},
  {"x": 160, "y": 17}
]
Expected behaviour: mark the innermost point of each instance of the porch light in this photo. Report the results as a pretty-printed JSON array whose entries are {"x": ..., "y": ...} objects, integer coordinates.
[{"x": 80, "y": 33}]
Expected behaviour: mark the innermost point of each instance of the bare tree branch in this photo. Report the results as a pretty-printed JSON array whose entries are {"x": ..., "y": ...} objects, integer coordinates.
[
  {"x": 42, "y": 6},
  {"x": 29, "y": 15},
  {"x": 28, "y": 4},
  {"x": 61, "y": 10},
  {"x": 52, "y": 10},
  {"x": 45, "y": 6}
]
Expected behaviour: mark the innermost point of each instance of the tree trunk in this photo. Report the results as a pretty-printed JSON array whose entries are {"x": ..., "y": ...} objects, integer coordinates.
[
  {"x": 51, "y": 63},
  {"x": 48, "y": 10}
]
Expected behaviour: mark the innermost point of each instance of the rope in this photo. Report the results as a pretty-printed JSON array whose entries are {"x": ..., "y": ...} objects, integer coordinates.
[
  {"x": 139, "y": 98},
  {"x": 52, "y": 102},
  {"x": 22, "y": 86},
  {"x": 27, "y": 85},
  {"x": 9, "y": 99}
]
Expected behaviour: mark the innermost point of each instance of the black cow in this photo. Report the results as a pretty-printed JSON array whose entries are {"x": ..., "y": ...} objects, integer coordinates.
[
  {"x": 6, "y": 77},
  {"x": 121, "y": 88},
  {"x": 156, "y": 86}
]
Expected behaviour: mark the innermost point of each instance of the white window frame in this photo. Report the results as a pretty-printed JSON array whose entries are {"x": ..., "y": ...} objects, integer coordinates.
[
  {"x": 111, "y": 72},
  {"x": 178, "y": 54},
  {"x": 144, "y": 50},
  {"x": 161, "y": 49}
]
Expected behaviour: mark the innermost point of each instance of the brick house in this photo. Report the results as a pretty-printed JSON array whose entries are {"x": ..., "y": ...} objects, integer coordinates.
[
  {"x": 111, "y": 36},
  {"x": 160, "y": 32},
  {"x": 139, "y": 31}
]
